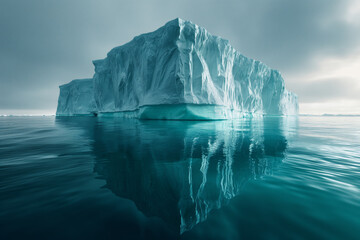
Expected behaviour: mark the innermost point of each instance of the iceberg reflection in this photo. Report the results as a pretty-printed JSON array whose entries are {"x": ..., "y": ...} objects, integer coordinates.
[{"x": 180, "y": 171}]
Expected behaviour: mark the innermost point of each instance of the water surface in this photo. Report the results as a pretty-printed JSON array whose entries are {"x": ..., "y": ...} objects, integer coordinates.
[{"x": 112, "y": 178}]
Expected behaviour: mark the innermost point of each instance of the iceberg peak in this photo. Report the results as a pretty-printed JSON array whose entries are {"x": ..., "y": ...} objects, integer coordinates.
[{"x": 181, "y": 71}]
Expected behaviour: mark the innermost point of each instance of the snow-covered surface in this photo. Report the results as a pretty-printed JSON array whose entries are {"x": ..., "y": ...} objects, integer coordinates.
[
  {"x": 76, "y": 98},
  {"x": 180, "y": 65}
]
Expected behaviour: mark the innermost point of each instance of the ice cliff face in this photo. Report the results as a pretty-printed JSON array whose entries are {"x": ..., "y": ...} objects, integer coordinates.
[
  {"x": 76, "y": 98},
  {"x": 181, "y": 71}
]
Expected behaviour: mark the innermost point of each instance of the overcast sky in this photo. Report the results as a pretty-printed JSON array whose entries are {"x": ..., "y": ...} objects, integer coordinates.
[{"x": 315, "y": 44}]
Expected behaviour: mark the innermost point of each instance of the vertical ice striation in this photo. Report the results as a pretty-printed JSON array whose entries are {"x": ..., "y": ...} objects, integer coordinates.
[{"x": 181, "y": 71}]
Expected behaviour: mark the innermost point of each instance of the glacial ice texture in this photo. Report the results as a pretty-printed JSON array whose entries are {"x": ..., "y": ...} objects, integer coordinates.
[
  {"x": 76, "y": 98},
  {"x": 182, "y": 65}
]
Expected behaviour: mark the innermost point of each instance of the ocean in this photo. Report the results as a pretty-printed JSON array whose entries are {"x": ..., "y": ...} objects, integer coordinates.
[{"x": 113, "y": 178}]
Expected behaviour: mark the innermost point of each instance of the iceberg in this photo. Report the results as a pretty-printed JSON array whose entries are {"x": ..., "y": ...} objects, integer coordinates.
[
  {"x": 76, "y": 98},
  {"x": 179, "y": 71}
]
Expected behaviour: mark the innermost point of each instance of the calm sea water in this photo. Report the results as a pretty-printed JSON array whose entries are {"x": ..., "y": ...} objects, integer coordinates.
[{"x": 110, "y": 178}]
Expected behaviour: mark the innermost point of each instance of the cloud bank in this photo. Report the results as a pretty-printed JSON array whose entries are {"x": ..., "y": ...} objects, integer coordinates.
[{"x": 314, "y": 44}]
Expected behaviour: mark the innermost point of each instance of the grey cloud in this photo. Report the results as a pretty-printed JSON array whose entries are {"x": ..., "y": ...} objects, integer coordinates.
[
  {"x": 47, "y": 43},
  {"x": 286, "y": 34},
  {"x": 323, "y": 90}
]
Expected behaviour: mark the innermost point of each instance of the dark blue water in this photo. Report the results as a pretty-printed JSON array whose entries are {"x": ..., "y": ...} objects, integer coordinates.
[{"x": 111, "y": 178}]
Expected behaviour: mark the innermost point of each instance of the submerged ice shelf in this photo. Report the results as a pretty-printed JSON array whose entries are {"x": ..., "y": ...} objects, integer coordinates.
[{"x": 179, "y": 71}]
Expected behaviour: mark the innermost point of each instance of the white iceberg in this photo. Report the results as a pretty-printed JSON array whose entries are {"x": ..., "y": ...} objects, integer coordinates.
[{"x": 181, "y": 71}]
